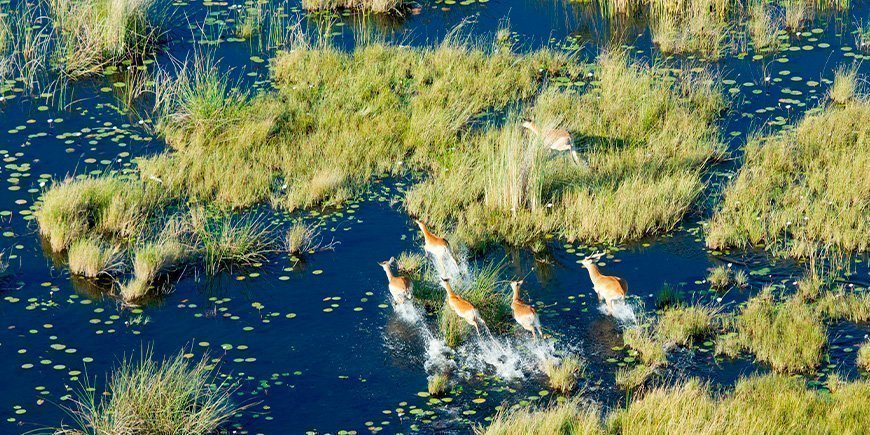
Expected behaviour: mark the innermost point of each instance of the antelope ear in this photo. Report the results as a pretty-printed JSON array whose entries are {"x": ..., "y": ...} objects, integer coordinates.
[
  {"x": 392, "y": 260},
  {"x": 520, "y": 282}
]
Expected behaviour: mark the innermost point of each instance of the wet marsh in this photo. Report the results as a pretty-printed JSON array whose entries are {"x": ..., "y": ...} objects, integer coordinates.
[{"x": 196, "y": 198}]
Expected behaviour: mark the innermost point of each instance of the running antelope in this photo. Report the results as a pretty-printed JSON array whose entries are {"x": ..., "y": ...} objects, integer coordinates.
[
  {"x": 608, "y": 288},
  {"x": 555, "y": 139},
  {"x": 434, "y": 245},
  {"x": 524, "y": 314},
  {"x": 400, "y": 287},
  {"x": 461, "y": 307}
]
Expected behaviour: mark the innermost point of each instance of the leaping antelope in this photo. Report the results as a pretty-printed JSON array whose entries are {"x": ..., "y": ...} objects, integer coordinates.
[
  {"x": 400, "y": 286},
  {"x": 554, "y": 138},
  {"x": 524, "y": 314},
  {"x": 434, "y": 245},
  {"x": 461, "y": 307},
  {"x": 608, "y": 288}
]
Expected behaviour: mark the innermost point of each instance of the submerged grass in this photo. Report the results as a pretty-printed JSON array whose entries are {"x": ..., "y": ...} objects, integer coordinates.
[
  {"x": 799, "y": 192},
  {"x": 158, "y": 397}
]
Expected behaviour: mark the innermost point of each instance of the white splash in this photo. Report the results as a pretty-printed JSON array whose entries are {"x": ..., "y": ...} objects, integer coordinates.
[
  {"x": 623, "y": 312},
  {"x": 409, "y": 313},
  {"x": 446, "y": 266}
]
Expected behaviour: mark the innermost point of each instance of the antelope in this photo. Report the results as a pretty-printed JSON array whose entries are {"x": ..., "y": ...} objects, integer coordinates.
[
  {"x": 524, "y": 314},
  {"x": 461, "y": 307},
  {"x": 434, "y": 245},
  {"x": 400, "y": 286},
  {"x": 555, "y": 139},
  {"x": 608, "y": 288}
]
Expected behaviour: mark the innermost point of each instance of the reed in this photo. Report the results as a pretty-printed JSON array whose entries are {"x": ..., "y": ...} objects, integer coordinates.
[
  {"x": 174, "y": 395},
  {"x": 719, "y": 277},
  {"x": 797, "y": 193},
  {"x": 763, "y": 28},
  {"x": 796, "y": 13}
]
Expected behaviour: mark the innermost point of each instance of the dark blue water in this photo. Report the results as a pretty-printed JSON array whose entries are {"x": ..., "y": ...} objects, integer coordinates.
[{"x": 316, "y": 346}]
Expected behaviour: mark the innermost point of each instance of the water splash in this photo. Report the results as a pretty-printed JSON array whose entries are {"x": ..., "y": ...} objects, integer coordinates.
[
  {"x": 446, "y": 266},
  {"x": 623, "y": 312},
  {"x": 409, "y": 313}
]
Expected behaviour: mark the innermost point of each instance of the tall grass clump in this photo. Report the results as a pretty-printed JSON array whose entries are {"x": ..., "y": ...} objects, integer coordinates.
[
  {"x": 763, "y": 28},
  {"x": 796, "y": 13},
  {"x": 157, "y": 257},
  {"x": 156, "y": 397},
  {"x": 799, "y": 192},
  {"x": 644, "y": 340},
  {"x": 225, "y": 242},
  {"x": 301, "y": 238},
  {"x": 696, "y": 26},
  {"x": 96, "y": 33},
  {"x": 845, "y": 86},
  {"x": 376, "y": 6},
  {"x": 863, "y": 358},
  {"x": 763, "y": 404},
  {"x": 106, "y": 206},
  {"x": 719, "y": 277},
  {"x": 563, "y": 418},
  {"x": 842, "y": 304},
  {"x": 788, "y": 335},
  {"x": 680, "y": 325},
  {"x": 563, "y": 373},
  {"x": 632, "y": 378},
  {"x": 90, "y": 257}
]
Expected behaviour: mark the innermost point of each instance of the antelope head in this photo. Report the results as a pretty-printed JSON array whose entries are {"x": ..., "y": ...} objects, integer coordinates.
[
  {"x": 591, "y": 259},
  {"x": 515, "y": 285}
]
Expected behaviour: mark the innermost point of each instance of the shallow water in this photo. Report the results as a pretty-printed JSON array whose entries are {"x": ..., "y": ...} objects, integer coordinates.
[{"x": 318, "y": 346}]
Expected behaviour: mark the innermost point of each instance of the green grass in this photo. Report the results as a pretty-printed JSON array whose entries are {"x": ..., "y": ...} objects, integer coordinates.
[
  {"x": 509, "y": 189},
  {"x": 697, "y": 26},
  {"x": 842, "y": 304},
  {"x": 301, "y": 238},
  {"x": 719, "y": 277},
  {"x": 157, "y": 257},
  {"x": 564, "y": 418},
  {"x": 797, "y": 193},
  {"x": 787, "y": 335},
  {"x": 157, "y": 397},
  {"x": 91, "y": 258},
  {"x": 845, "y": 86},
  {"x": 796, "y": 13},
  {"x": 225, "y": 241},
  {"x": 376, "y": 6},
  {"x": 668, "y": 296},
  {"x": 105, "y": 206},
  {"x": 632, "y": 378},
  {"x": 682, "y": 325},
  {"x": 438, "y": 384},
  {"x": 644, "y": 340},
  {"x": 563, "y": 373},
  {"x": 93, "y": 34},
  {"x": 741, "y": 278},
  {"x": 763, "y": 27},
  {"x": 762, "y": 404},
  {"x": 863, "y": 358}
]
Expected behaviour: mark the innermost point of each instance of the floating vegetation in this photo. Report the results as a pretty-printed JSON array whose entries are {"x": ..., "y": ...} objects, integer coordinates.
[
  {"x": 148, "y": 396},
  {"x": 797, "y": 193},
  {"x": 788, "y": 335}
]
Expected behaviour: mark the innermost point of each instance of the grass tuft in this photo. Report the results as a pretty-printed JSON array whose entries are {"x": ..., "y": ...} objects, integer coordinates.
[
  {"x": 681, "y": 325},
  {"x": 642, "y": 338},
  {"x": 169, "y": 396},
  {"x": 301, "y": 238},
  {"x": 568, "y": 417},
  {"x": 719, "y": 277},
  {"x": 634, "y": 377},
  {"x": 863, "y": 358},
  {"x": 91, "y": 258},
  {"x": 845, "y": 86},
  {"x": 438, "y": 384},
  {"x": 226, "y": 242},
  {"x": 563, "y": 373}
]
